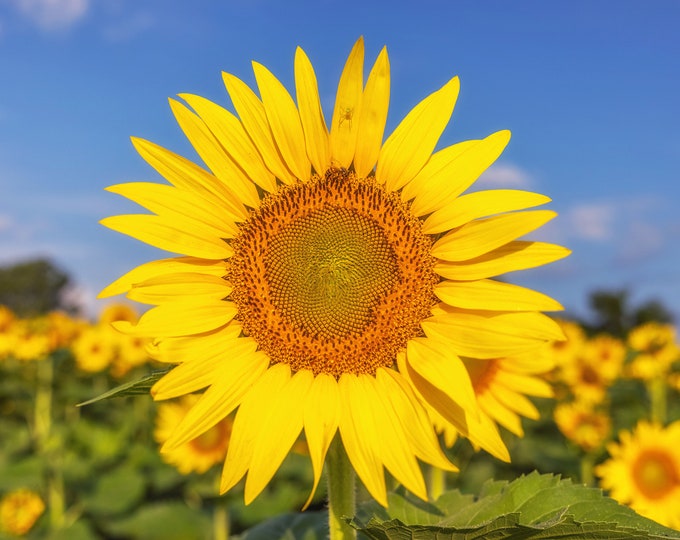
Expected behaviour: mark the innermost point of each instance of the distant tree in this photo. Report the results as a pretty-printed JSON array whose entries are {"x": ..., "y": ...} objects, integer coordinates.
[
  {"x": 614, "y": 314},
  {"x": 33, "y": 287}
]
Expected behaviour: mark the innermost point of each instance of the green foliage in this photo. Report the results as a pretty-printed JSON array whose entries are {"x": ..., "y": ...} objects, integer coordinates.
[
  {"x": 534, "y": 506},
  {"x": 305, "y": 526},
  {"x": 133, "y": 388},
  {"x": 33, "y": 287}
]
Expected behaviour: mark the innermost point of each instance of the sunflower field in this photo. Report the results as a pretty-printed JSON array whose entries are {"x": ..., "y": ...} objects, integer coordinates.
[{"x": 600, "y": 411}]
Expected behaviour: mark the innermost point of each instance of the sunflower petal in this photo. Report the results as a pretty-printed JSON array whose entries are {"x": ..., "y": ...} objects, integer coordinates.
[
  {"x": 321, "y": 423},
  {"x": 189, "y": 237},
  {"x": 214, "y": 156},
  {"x": 284, "y": 121},
  {"x": 177, "y": 203},
  {"x": 254, "y": 118},
  {"x": 359, "y": 436},
  {"x": 483, "y": 235},
  {"x": 231, "y": 134},
  {"x": 492, "y": 335},
  {"x": 452, "y": 170},
  {"x": 492, "y": 295},
  {"x": 344, "y": 128},
  {"x": 184, "y": 174},
  {"x": 513, "y": 256},
  {"x": 372, "y": 116},
  {"x": 179, "y": 287},
  {"x": 251, "y": 414},
  {"x": 442, "y": 369},
  {"x": 162, "y": 267},
  {"x": 180, "y": 319},
  {"x": 311, "y": 114},
  {"x": 480, "y": 204},
  {"x": 410, "y": 146},
  {"x": 278, "y": 433}
]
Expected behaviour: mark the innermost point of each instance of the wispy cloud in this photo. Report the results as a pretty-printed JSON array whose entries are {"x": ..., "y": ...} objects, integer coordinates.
[
  {"x": 52, "y": 14},
  {"x": 505, "y": 176},
  {"x": 591, "y": 221},
  {"x": 130, "y": 27}
]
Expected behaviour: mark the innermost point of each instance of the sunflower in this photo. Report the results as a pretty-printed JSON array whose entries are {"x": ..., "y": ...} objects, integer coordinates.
[
  {"x": 199, "y": 454},
  {"x": 329, "y": 282},
  {"x": 583, "y": 424},
  {"x": 19, "y": 510},
  {"x": 644, "y": 471},
  {"x": 655, "y": 350}
]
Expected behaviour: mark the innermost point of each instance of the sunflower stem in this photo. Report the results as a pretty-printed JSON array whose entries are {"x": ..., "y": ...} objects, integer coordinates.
[
  {"x": 657, "y": 390},
  {"x": 341, "y": 492},
  {"x": 437, "y": 482}
]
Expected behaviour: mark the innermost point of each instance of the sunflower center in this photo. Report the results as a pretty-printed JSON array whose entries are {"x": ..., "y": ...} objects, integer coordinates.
[
  {"x": 655, "y": 474},
  {"x": 332, "y": 275},
  {"x": 328, "y": 270}
]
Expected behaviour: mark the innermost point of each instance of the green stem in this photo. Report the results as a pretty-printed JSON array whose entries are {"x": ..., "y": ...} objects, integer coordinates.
[
  {"x": 657, "y": 390},
  {"x": 437, "y": 482},
  {"x": 587, "y": 465},
  {"x": 46, "y": 446},
  {"x": 220, "y": 521},
  {"x": 341, "y": 492}
]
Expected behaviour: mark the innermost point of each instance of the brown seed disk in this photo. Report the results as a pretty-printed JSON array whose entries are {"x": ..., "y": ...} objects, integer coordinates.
[{"x": 332, "y": 275}]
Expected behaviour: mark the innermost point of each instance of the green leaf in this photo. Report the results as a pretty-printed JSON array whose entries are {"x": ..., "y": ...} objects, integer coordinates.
[
  {"x": 304, "y": 526},
  {"x": 134, "y": 388},
  {"x": 116, "y": 492},
  {"x": 161, "y": 521},
  {"x": 532, "y": 507}
]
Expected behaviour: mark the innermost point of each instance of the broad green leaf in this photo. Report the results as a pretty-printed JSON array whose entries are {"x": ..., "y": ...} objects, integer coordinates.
[
  {"x": 303, "y": 526},
  {"x": 532, "y": 507},
  {"x": 116, "y": 492},
  {"x": 134, "y": 388}
]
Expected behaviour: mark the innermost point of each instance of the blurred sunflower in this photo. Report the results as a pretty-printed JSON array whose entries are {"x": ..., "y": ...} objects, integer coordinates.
[
  {"x": 19, "y": 510},
  {"x": 199, "y": 454},
  {"x": 644, "y": 471},
  {"x": 331, "y": 282},
  {"x": 575, "y": 337},
  {"x": 582, "y": 424},
  {"x": 656, "y": 350}
]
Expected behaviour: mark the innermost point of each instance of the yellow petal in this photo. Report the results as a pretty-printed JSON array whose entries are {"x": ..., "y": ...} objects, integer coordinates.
[
  {"x": 344, "y": 128},
  {"x": 493, "y": 295},
  {"x": 278, "y": 432},
  {"x": 186, "y": 348},
  {"x": 452, "y": 170},
  {"x": 254, "y": 410},
  {"x": 321, "y": 418},
  {"x": 234, "y": 359},
  {"x": 179, "y": 287},
  {"x": 491, "y": 335},
  {"x": 311, "y": 114},
  {"x": 284, "y": 121},
  {"x": 231, "y": 134},
  {"x": 188, "y": 237},
  {"x": 443, "y": 370},
  {"x": 501, "y": 414},
  {"x": 516, "y": 255},
  {"x": 178, "y": 204},
  {"x": 483, "y": 235},
  {"x": 394, "y": 449},
  {"x": 532, "y": 386},
  {"x": 394, "y": 388},
  {"x": 254, "y": 118},
  {"x": 180, "y": 319},
  {"x": 163, "y": 267},
  {"x": 214, "y": 156},
  {"x": 359, "y": 436},
  {"x": 412, "y": 142},
  {"x": 516, "y": 402},
  {"x": 372, "y": 116},
  {"x": 184, "y": 174},
  {"x": 480, "y": 204}
]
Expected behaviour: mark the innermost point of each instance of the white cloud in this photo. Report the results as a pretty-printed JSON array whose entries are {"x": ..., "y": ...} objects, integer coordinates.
[
  {"x": 505, "y": 176},
  {"x": 591, "y": 221},
  {"x": 53, "y": 14}
]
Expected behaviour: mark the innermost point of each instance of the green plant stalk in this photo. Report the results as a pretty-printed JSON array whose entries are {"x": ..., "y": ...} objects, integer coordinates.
[
  {"x": 437, "y": 482},
  {"x": 220, "y": 521},
  {"x": 587, "y": 467},
  {"x": 657, "y": 391},
  {"x": 42, "y": 434},
  {"x": 341, "y": 492}
]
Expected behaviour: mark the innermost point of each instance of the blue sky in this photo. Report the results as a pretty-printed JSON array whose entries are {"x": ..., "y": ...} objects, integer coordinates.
[{"x": 589, "y": 89}]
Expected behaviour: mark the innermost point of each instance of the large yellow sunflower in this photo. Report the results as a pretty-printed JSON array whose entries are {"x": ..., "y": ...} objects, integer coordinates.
[
  {"x": 644, "y": 471},
  {"x": 329, "y": 281}
]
